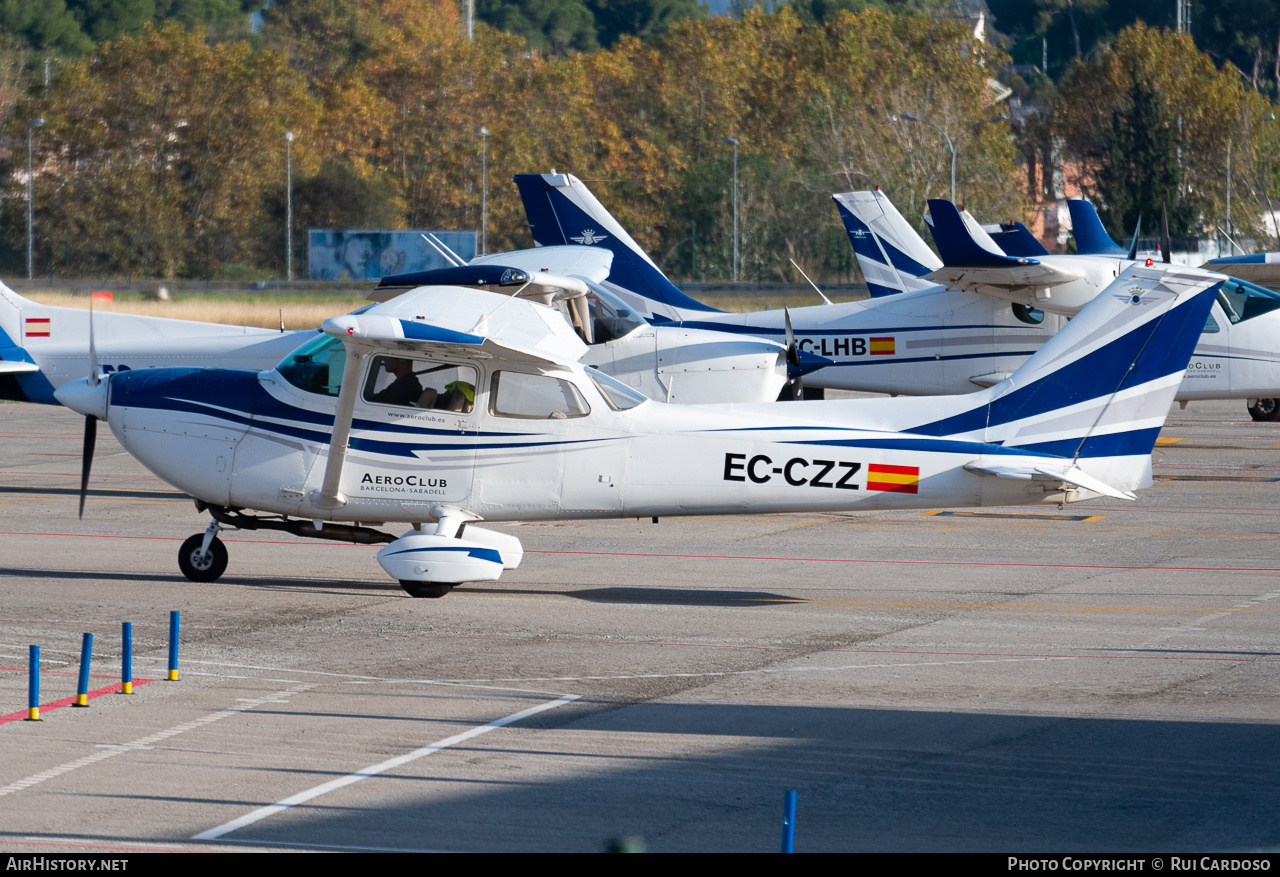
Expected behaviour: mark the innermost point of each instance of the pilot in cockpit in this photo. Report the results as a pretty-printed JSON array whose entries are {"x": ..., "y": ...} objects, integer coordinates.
[{"x": 405, "y": 389}]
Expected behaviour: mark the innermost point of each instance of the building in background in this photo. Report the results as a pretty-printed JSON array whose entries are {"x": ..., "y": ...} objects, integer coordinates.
[{"x": 371, "y": 254}]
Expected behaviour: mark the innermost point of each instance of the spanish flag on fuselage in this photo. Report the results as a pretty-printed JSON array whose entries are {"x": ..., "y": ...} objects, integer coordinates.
[
  {"x": 881, "y": 346},
  {"x": 898, "y": 479}
]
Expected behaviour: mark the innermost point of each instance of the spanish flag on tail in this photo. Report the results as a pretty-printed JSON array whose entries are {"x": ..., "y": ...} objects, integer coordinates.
[{"x": 896, "y": 479}]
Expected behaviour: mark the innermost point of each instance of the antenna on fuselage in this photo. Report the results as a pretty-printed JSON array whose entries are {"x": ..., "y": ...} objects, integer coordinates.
[{"x": 811, "y": 283}]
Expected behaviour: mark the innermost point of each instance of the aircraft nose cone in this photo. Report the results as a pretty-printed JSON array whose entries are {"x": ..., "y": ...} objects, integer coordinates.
[{"x": 84, "y": 398}]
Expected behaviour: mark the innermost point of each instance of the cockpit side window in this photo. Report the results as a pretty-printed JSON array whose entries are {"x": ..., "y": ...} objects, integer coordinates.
[
  {"x": 535, "y": 397},
  {"x": 316, "y": 366},
  {"x": 420, "y": 383},
  {"x": 619, "y": 396}
]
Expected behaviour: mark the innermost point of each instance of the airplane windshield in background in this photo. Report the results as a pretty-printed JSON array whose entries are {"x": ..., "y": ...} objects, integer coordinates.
[
  {"x": 1244, "y": 301},
  {"x": 611, "y": 316},
  {"x": 316, "y": 366}
]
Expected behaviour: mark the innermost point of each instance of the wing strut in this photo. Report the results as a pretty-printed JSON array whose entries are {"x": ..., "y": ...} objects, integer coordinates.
[{"x": 330, "y": 497}]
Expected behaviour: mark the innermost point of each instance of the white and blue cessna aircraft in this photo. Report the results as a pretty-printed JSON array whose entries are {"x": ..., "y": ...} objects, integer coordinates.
[
  {"x": 42, "y": 346},
  {"x": 478, "y": 409},
  {"x": 949, "y": 327}
]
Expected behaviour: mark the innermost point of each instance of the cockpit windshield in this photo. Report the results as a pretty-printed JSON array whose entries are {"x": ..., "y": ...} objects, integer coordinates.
[
  {"x": 1241, "y": 300},
  {"x": 316, "y": 366},
  {"x": 601, "y": 316}
]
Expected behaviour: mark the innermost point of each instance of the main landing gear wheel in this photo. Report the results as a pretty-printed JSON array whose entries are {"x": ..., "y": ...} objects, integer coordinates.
[
  {"x": 424, "y": 589},
  {"x": 206, "y": 567},
  {"x": 1265, "y": 409}
]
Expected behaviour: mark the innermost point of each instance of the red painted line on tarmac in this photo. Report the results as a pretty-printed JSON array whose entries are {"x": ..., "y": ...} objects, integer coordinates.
[
  {"x": 914, "y": 562},
  {"x": 723, "y": 556},
  {"x": 331, "y": 544},
  {"x": 67, "y": 701}
]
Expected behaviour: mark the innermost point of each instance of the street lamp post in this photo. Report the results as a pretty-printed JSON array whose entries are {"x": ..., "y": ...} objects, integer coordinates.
[
  {"x": 33, "y": 123},
  {"x": 733, "y": 141},
  {"x": 484, "y": 190},
  {"x": 288, "y": 221},
  {"x": 954, "y": 146}
]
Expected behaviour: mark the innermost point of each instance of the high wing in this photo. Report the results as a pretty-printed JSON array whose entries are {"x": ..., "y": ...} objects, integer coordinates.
[
  {"x": 464, "y": 324},
  {"x": 536, "y": 273}
]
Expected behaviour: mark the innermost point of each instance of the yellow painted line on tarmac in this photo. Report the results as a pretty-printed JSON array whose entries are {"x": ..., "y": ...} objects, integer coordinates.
[
  {"x": 1167, "y": 441},
  {"x": 1013, "y": 516}
]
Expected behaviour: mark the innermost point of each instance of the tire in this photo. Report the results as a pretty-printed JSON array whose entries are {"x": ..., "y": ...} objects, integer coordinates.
[
  {"x": 425, "y": 589},
  {"x": 1265, "y": 410},
  {"x": 202, "y": 569}
]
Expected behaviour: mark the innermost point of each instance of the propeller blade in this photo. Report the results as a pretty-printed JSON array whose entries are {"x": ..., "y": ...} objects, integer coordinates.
[
  {"x": 1164, "y": 234},
  {"x": 93, "y": 361},
  {"x": 793, "y": 387},
  {"x": 1133, "y": 247},
  {"x": 793, "y": 352},
  {"x": 86, "y": 457}
]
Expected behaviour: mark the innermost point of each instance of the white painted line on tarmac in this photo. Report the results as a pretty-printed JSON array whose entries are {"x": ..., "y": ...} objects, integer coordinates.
[
  {"x": 324, "y": 788},
  {"x": 145, "y": 742}
]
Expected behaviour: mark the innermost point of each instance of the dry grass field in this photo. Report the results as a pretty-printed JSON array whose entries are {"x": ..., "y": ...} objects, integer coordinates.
[
  {"x": 297, "y": 311},
  {"x": 309, "y": 310}
]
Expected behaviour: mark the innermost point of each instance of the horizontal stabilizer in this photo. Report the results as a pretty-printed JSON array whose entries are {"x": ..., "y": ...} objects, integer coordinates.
[
  {"x": 1050, "y": 471},
  {"x": 17, "y": 368},
  {"x": 958, "y": 245},
  {"x": 1009, "y": 282},
  {"x": 1017, "y": 240}
]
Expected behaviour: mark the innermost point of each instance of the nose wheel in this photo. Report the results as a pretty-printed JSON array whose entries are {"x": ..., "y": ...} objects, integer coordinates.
[
  {"x": 425, "y": 589},
  {"x": 201, "y": 564}
]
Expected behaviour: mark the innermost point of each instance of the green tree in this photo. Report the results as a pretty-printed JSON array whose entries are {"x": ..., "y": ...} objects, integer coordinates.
[
  {"x": 1138, "y": 174},
  {"x": 44, "y": 24},
  {"x": 552, "y": 25},
  {"x": 645, "y": 19},
  {"x": 1202, "y": 110}
]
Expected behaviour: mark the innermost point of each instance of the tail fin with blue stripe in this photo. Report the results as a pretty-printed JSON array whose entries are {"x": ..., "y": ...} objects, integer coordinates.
[
  {"x": 1098, "y": 393},
  {"x": 561, "y": 210},
  {"x": 893, "y": 258}
]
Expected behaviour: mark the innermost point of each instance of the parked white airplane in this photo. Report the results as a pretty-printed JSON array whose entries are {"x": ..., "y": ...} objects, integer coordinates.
[
  {"x": 665, "y": 362},
  {"x": 515, "y": 428},
  {"x": 42, "y": 346},
  {"x": 928, "y": 338},
  {"x": 1238, "y": 356}
]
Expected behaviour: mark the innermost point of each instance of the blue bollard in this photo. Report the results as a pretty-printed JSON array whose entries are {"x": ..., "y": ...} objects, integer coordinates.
[
  {"x": 33, "y": 686},
  {"x": 86, "y": 655},
  {"x": 173, "y": 646},
  {"x": 788, "y": 822},
  {"x": 126, "y": 658}
]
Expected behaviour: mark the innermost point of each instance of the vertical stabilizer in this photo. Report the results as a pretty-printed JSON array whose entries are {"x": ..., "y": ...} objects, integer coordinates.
[
  {"x": 1091, "y": 238},
  {"x": 561, "y": 210},
  {"x": 893, "y": 258}
]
